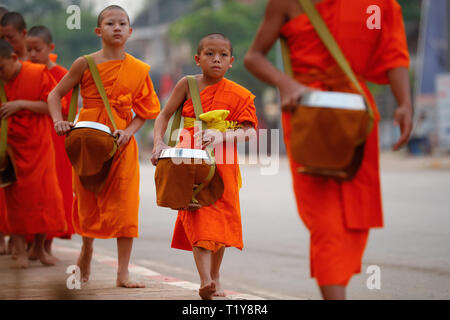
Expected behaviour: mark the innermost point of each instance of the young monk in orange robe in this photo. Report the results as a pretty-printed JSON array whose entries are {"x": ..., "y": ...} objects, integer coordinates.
[
  {"x": 34, "y": 205},
  {"x": 39, "y": 44},
  {"x": 14, "y": 30},
  {"x": 113, "y": 212},
  {"x": 338, "y": 215},
  {"x": 208, "y": 230}
]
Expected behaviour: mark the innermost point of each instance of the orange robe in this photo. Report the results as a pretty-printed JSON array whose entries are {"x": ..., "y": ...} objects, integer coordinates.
[
  {"x": 3, "y": 222},
  {"x": 33, "y": 203},
  {"x": 113, "y": 212},
  {"x": 339, "y": 215},
  {"x": 63, "y": 166},
  {"x": 219, "y": 224}
]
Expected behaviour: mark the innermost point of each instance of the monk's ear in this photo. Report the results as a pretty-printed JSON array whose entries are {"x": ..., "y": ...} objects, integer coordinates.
[
  {"x": 52, "y": 46},
  {"x": 231, "y": 61},
  {"x": 14, "y": 57},
  {"x": 131, "y": 31},
  {"x": 98, "y": 32},
  {"x": 197, "y": 60}
]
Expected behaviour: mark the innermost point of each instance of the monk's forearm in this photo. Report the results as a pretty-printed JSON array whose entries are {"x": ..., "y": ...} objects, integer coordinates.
[
  {"x": 399, "y": 81},
  {"x": 34, "y": 106},
  {"x": 54, "y": 106},
  {"x": 257, "y": 63},
  {"x": 161, "y": 124},
  {"x": 135, "y": 125}
]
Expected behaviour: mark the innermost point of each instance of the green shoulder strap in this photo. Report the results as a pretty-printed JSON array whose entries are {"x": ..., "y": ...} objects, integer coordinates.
[
  {"x": 198, "y": 109},
  {"x": 4, "y": 126},
  {"x": 100, "y": 88},
  {"x": 101, "y": 91},
  {"x": 330, "y": 43},
  {"x": 73, "y": 104}
]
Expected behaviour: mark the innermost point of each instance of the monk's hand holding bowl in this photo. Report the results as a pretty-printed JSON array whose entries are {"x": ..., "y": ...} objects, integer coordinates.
[
  {"x": 290, "y": 93},
  {"x": 62, "y": 127},
  {"x": 157, "y": 148},
  {"x": 123, "y": 137}
]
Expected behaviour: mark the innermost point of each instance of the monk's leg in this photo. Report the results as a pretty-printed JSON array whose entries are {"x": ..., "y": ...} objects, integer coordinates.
[
  {"x": 336, "y": 292},
  {"x": 2, "y": 244},
  {"x": 32, "y": 249},
  {"x": 48, "y": 246},
  {"x": 10, "y": 248},
  {"x": 202, "y": 259},
  {"x": 84, "y": 260},
  {"x": 37, "y": 250},
  {"x": 20, "y": 251},
  {"x": 124, "y": 246},
  {"x": 216, "y": 261}
]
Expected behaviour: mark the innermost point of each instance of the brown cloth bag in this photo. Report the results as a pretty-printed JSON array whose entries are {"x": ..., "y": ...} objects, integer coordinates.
[
  {"x": 8, "y": 170},
  {"x": 187, "y": 183},
  {"x": 328, "y": 142},
  {"x": 91, "y": 149}
]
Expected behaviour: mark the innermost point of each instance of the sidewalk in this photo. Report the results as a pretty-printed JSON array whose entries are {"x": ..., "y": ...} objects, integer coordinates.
[
  {"x": 401, "y": 160},
  {"x": 51, "y": 283}
]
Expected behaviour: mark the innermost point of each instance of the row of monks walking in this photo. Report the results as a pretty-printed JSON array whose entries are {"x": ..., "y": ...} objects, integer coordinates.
[{"x": 50, "y": 199}]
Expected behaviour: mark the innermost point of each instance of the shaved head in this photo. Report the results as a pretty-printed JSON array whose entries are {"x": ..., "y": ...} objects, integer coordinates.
[
  {"x": 41, "y": 32},
  {"x": 108, "y": 8},
  {"x": 14, "y": 19},
  {"x": 220, "y": 36}
]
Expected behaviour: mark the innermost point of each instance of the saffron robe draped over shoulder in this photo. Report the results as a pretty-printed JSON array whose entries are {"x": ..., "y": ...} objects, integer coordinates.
[
  {"x": 220, "y": 223},
  {"x": 339, "y": 215},
  {"x": 63, "y": 166},
  {"x": 113, "y": 212},
  {"x": 34, "y": 204}
]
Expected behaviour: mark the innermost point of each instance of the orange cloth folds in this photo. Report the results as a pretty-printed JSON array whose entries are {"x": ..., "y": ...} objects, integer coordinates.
[
  {"x": 219, "y": 224},
  {"x": 113, "y": 212},
  {"x": 34, "y": 202}
]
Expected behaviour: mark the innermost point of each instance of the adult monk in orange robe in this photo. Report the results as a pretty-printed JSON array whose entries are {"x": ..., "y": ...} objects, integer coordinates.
[
  {"x": 208, "y": 230},
  {"x": 112, "y": 212},
  {"x": 338, "y": 215},
  {"x": 39, "y": 45},
  {"x": 34, "y": 206}
]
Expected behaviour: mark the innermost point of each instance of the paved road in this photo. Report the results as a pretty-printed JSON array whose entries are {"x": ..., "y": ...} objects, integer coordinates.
[{"x": 413, "y": 250}]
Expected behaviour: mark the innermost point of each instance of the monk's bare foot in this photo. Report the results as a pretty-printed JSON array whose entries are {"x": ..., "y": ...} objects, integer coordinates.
[
  {"x": 33, "y": 252},
  {"x": 125, "y": 282},
  {"x": 219, "y": 291},
  {"x": 47, "y": 259},
  {"x": 207, "y": 291},
  {"x": 84, "y": 263},
  {"x": 21, "y": 262}
]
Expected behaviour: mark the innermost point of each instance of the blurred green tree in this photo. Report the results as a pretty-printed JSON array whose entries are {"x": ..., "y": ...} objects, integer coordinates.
[
  {"x": 238, "y": 21},
  {"x": 70, "y": 44}
]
